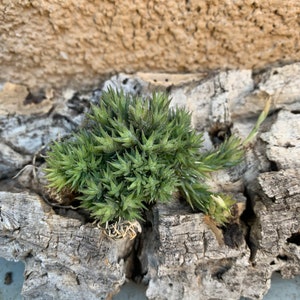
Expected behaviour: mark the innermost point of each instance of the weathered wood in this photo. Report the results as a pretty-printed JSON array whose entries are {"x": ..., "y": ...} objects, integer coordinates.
[
  {"x": 283, "y": 143},
  {"x": 64, "y": 258},
  {"x": 188, "y": 262},
  {"x": 180, "y": 254},
  {"x": 278, "y": 220}
]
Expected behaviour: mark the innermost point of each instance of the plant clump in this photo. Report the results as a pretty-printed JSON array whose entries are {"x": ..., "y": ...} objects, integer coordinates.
[{"x": 134, "y": 152}]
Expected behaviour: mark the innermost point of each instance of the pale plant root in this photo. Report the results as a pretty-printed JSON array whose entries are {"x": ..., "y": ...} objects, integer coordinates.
[{"x": 121, "y": 229}]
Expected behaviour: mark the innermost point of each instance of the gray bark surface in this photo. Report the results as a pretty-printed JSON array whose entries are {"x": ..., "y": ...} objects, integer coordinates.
[
  {"x": 180, "y": 254},
  {"x": 64, "y": 258}
]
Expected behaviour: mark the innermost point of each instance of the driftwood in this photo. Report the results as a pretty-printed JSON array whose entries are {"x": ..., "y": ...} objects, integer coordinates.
[{"x": 180, "y": 254}]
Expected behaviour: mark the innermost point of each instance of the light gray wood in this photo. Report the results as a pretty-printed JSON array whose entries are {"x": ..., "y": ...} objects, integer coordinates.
[
  {"x": 180, "y": 253},
  {"x": 64, "y": 258}
]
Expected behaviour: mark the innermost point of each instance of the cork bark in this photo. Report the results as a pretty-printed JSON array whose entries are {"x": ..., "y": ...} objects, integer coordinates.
[
  {"x": 64, "y": 258},
  {"x": 180, "y": 253},
  {"x": 62, "y": 43}
]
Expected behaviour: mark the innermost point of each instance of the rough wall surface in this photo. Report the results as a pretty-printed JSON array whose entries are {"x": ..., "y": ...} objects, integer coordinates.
[{"x": 57, "y": 43}]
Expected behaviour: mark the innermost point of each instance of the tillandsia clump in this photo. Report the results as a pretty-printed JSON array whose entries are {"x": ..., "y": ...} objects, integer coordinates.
[{"x": 134, "y": 152}]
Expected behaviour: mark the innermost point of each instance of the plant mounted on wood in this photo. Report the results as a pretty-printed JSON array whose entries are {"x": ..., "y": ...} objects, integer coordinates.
[{"x": 133, "y": 152}]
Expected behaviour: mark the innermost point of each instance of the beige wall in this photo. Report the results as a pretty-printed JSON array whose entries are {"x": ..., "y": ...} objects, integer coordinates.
[{"x": 78, "y": 42}]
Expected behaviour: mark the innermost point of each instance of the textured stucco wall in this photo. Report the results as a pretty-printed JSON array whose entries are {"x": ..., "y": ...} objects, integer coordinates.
[{"x": 77, "y": 42}]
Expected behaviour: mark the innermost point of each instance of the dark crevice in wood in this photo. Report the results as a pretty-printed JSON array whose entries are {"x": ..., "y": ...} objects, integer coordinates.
[
  {"x": 273, "y": 166},
  {"x": 133, "y": 269},
  {"x": 296, "y": 112},
  {"x": 136, "y": 264},
  {"x": 249, "y": 218},
  {"x": 294, "y": 239},
  {"x": 219, "y": 132},
  {"x": 34, "y": 98},
  {"x": 282, "y": 257},
  {"x": 233, "y": 235},
  {"x": 148, "y": 246},
  {"x": 224, "y": 266}
]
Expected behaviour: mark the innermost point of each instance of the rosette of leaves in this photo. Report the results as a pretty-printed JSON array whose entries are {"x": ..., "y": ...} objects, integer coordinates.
[{"x": 133, "y": 152}]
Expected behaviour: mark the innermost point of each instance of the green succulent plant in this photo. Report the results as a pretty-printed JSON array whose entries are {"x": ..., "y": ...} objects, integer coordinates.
[{"x": 133, "y": 152}]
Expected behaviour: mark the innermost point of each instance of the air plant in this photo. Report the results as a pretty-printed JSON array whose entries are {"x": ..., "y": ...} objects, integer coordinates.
[{"x": 133, "y": 152}]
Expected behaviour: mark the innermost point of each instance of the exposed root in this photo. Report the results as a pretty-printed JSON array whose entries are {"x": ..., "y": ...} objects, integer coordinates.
[
  {"x": 121, "y": 229},
  {"x": 32, "y": 167}
]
